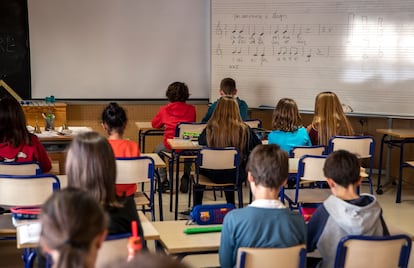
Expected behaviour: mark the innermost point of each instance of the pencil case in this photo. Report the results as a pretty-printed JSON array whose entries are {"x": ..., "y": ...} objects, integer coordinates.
[
  {"x": 210, "y": 214},
  {"x": 25, "y": 213}
]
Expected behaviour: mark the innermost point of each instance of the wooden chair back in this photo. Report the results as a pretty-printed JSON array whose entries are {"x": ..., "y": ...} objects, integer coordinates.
[
  {"x": 385, "y": 251},
  {"x": 291, "y": 257}
]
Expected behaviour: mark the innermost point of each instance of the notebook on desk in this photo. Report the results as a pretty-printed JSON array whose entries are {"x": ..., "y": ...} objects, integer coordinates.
[{"x": 193, "y": 136}]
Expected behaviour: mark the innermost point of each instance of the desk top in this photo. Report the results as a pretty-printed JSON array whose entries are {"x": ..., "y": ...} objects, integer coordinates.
[
  {"x": 146, "y": 126},
  {"x": 158, "y": 162},
  {"x": 183, "y": 144},
  {"x": 397, "y": 132},
  {"x": 54, "y": 136},
  {"x": 176, "y": 241},
  {"x": 28, "y": 229}
]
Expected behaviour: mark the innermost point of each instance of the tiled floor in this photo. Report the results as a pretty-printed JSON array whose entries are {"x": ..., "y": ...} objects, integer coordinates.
[{"x": 398, "y": 215}]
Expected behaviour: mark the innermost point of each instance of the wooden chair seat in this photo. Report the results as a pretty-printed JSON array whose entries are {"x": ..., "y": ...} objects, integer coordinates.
[{"x": 203, "y": 180}]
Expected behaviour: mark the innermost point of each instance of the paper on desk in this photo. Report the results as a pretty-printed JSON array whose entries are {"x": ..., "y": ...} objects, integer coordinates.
[{"x": 29, "y": 233}]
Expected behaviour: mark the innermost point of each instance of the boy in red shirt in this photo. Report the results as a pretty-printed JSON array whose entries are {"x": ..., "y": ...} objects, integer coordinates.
[{"x": 168, "y": 117}]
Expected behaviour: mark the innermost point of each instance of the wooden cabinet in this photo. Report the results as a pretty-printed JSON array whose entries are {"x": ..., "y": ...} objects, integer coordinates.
[{"x": 34, "y": 112}]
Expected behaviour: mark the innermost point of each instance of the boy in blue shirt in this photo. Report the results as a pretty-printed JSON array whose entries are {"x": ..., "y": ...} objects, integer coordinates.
[
  {"x": 266, "y": 222},
  {"x": 344, "y": 212},
  {"x": 228, "y": 88}
]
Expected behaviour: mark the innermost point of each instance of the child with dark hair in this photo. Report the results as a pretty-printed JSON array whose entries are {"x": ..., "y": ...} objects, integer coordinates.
[
  {"x": 91, "y": 166},
  {"x": 344, "y": 212},
  {"x": 169, "y": 116},
  {"x": 74, "y": 227},
  {"x": 228, "y": 88},
  {"x": 278, "y": 226},
  {"x": 16, "y": 143},
  {"x": 288, "y": 130},
  {"x": 114, "y": 121}
]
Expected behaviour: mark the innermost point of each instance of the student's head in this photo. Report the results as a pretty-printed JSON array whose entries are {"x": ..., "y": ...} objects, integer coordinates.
[
  {"x": 227, "y": 109},
  {"x": 226, "y": 127},
  {"x": 177, "y": 91},
  {"x": 328, "y": 102},
  {"x": 286, "y": 116},
  {"x": 114, "y": 118},
  {"x": 343, "y": 168},
  {"x": 74, "y": 226},
  {"x": 12, "y": 122},
  {"x": 90, "y": 165},
  {"x": 268, "y": 166},
  {"x": 228, "y": 86},
  {"x": 330, "y": 119}
]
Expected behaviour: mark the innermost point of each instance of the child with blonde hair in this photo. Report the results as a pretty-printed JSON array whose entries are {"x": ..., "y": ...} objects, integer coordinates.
[{"x": 329, "y": 119}]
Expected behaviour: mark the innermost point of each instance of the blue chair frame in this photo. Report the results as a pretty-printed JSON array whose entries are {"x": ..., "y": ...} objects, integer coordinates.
[
  {"x": 19, "y": 168},
  {"x": 405, "y": 251},
  {"x": 29, "y": 254},
  {"x": 236, "y": 165},
  {"x": 151, "y": 177},
  {"x": 293, "y": 203}
]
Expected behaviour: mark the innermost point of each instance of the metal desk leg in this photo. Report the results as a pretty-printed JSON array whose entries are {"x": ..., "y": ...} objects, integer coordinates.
[
  {"x": 157, "y": 174},
  {"x": 379, "y": 186},
  {"x": 177, "y": 175},
  {"x": 399, "y": 186},
  {"x": 171, "y": 177}
]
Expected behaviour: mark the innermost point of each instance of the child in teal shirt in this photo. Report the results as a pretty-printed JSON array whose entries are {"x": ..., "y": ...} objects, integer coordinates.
[{"x": 288, "y": 131}]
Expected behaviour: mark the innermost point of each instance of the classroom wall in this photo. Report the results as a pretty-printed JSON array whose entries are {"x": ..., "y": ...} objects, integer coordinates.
[{"x": 88, "y": 114}]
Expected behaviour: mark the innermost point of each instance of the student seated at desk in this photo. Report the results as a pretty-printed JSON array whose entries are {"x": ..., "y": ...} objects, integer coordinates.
[
  {"x": 16, "y": 143},
  {"x": 344, "y": 212},
  {"x": 228, "y": 88},
  {"x": 288, "y": 131},
  {"x": 329, "y": 119},
  {"x": 114, "y": 121},
  {"x": 74, "y": 227},
  {"x": 91, "y": 166},
  {"x": 227, "y": 129},
  {"x": 168, "y": 117},
  {"x": 266, "y": 222}
]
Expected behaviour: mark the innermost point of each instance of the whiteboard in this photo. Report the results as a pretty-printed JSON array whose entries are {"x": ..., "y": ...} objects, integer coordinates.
[
  {"x": 118, "y": 49},
  {"x": 363, "y": 50}
]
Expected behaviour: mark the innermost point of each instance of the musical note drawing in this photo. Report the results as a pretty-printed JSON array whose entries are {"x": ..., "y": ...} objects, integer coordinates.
[{"x": 219, "y": 31}]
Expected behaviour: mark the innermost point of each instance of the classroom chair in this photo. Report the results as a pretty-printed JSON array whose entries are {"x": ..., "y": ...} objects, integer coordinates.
[
  {"x": 362, "y": 146},
  {"x": 310, "y": 169},
  {"x": 113, "y": 248},
  {"x": 407, "y": 164},
  {"x": 184, "y": 130},
  {"x": 20, "y": 168},
  {"x": 291, "y": 257},
  {"x": 218, "y": 159},
  {"x": 25, "y": 190},
  {"x": 138, "y": 170},
  {"x": 373, "y": 251},
  {"x": 254, "y": 123},
  {"x": 299, "y": 151}
]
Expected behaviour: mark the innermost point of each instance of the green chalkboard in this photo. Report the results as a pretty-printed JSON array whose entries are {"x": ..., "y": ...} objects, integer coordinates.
[{"x": 14, "y": 47}]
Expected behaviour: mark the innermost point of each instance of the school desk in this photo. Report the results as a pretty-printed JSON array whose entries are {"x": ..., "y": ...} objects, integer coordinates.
[
  {"x": 26, "y": 229},
  {"x": 176, "y": 242},
  {"x": 145, "y": 129},
  {"x": 394, "y": 138},
  {"x": 56, "y": 144},
  {"x": 183, "y": 145}
]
